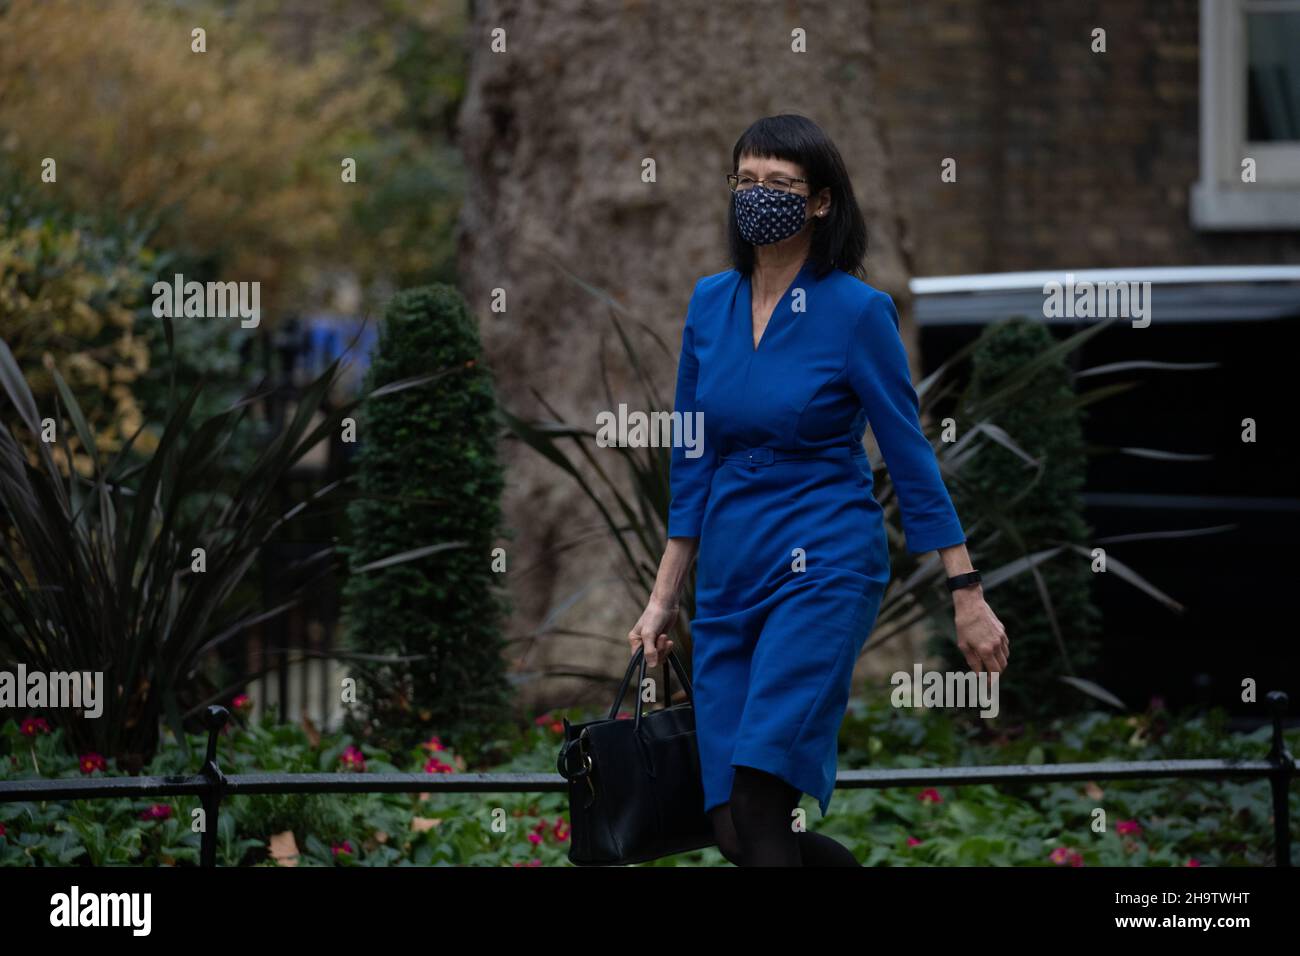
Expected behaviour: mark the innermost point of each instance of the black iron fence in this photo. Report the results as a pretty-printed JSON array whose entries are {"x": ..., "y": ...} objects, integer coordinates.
[{"x": 212, "y": 786}]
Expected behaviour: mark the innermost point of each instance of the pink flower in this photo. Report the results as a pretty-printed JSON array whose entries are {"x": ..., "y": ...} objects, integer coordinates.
[
  {"x": 534, "y": 838},
  {"x": 929, "y": 795},
  {"x": 1192, "y": 862},
  {"x": 1063, "y": 856},
  {"x": 344, "y": 847},
  {"x": 434, "y": 765},
  {"x": 434, "y": 743},
  {"x": 1125, "y": 827},
  {"x": 158, "y": 811},
  {"x": 550, "y": 720},
  {"x": 561, "y": 829},
  {"x": 352, "y": 758},
  {"x": 242, "y": 702},
  {"x": 33, "y": 726},
  {"x": 913, "y": 841},
  {"x": 529, "y": 863},
  {"x": 3, "y": 831},
  {"x": 91, "y": 762}
]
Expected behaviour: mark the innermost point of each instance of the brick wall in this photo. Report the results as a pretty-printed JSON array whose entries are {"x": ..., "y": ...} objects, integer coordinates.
[{"x": 1065, "y": 158}]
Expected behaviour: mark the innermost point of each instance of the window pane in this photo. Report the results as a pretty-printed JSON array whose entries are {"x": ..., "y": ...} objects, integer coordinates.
[{"x": 1273, "y": 76}]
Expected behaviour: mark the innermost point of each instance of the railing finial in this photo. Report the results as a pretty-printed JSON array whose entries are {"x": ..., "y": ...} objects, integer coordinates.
[{"x": 214, "y": 718}]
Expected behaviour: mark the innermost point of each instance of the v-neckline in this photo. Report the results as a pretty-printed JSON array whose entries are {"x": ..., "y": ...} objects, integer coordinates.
[{"x": 747, "y": 311}]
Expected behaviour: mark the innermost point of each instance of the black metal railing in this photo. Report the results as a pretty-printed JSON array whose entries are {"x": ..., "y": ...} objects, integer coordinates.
[{"x": 212, "y": 786}]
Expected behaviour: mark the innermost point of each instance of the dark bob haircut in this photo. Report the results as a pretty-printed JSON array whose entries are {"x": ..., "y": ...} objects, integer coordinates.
[{"x": 840, "y": 239}]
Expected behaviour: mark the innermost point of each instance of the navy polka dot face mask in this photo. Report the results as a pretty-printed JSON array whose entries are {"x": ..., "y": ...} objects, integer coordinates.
[{"x": 769, "y": 215}]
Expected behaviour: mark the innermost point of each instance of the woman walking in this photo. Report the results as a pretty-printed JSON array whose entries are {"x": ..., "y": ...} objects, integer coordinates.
[{"x": 787, "y": 357}]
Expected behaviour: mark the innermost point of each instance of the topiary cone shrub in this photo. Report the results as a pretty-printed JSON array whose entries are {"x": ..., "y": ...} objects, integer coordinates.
[
  {"x": 1043, "y": 509},
  {"x": 427, "y": 473}
]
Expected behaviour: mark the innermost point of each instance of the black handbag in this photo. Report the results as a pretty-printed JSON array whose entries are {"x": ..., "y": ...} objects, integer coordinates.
[{"x": 635, "y": 791}]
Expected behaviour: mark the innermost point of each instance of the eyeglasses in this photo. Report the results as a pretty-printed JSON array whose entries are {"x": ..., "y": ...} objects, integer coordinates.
[{"x": 781, "y": 183}]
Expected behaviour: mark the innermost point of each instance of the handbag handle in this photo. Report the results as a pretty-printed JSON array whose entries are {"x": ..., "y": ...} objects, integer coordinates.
[{"x": 639, "y": 657}]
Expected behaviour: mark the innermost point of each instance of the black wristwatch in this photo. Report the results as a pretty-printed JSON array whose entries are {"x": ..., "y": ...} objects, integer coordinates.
[{"x": 963, "y": 580}]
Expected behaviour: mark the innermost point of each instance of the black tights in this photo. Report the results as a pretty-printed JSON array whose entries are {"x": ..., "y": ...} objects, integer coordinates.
[{"x": 753, "y": 829}]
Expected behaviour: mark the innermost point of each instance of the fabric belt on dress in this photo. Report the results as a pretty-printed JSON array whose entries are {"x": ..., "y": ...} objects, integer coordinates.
[{"x": 766, "y": 456}]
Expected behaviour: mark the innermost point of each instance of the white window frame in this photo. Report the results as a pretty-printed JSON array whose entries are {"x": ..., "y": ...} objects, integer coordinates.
[{"x": 1220, "y": 200}]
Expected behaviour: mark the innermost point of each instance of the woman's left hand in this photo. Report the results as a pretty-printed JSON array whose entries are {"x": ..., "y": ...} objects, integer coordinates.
[{"x": 980, "y": 635}]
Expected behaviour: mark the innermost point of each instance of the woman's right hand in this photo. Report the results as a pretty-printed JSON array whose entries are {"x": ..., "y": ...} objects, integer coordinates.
[{"x": 651, "y": 631}]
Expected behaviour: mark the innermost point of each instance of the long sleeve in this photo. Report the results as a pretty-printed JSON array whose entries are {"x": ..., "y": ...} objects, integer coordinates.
[
  {"x": 689, "y": 477},
  {"x": 878, "y": 371}
]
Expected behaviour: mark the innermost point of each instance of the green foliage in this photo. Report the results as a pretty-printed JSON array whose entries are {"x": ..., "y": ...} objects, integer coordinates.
[
  {"x": 1048, "y": 611},
  {"x": 71, "y": 287},
  {"x": 1217, "y": 822},
  {"x": 97, "y": 573},
  {"x": 431, "y": 484}
]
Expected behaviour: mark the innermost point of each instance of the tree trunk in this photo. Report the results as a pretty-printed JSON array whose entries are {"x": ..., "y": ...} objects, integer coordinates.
[{"x": 555, "y": 131}]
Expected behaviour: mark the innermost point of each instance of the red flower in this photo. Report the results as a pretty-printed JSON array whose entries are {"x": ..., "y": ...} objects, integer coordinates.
[
  {"x": 434, "y": 743},
  {"x": 3, "y": 831},
  {"x": 1192, "y": 862},
  {"x": 242, "y": 702},
  {"x": 352, "y": 758},
  {"x": 33, "y": 726},
  {"x": 434, "y": 765},
  {"x": 344, "y": 847},
  {"x": 91, "y": 762},
  {"x": 1125, "y": 827},
  {"x": 529, "y": 863},
  {"x": 913, "y": 841},
  {"x": 557, "y": 727},
  {"x": 158, "y": 811},
  {"x": 545, "y": 718},
  {"x": 623, "y": 715},
  {"x": 1063, "y": 856},
  {"x": 929, "y": 795},
  {"x": 561, "y": 829}
]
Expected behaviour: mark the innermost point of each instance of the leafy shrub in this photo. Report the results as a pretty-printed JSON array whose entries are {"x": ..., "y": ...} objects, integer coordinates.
[
  {"x": 70, "y": 290},
  {"x": 1036, "y": 508},
  {"x": 428, "y": 472},
  {"x": 98, "y": 574}
]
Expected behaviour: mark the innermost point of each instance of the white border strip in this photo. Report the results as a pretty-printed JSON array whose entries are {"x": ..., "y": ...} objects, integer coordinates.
[{"x": 1186, "y": 275}]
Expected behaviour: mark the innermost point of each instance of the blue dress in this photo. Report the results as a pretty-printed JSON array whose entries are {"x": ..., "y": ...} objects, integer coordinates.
[{"x": 793, "y": 557}]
